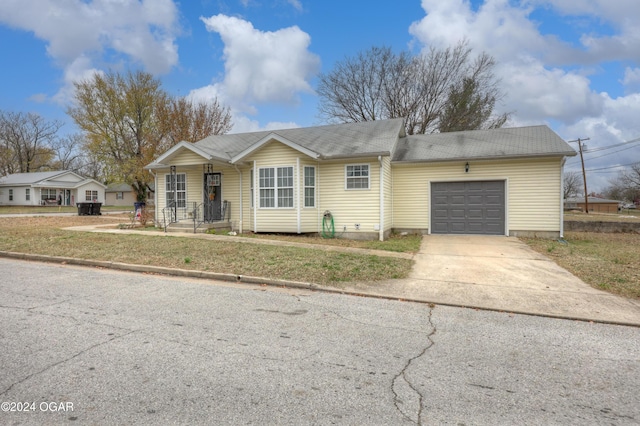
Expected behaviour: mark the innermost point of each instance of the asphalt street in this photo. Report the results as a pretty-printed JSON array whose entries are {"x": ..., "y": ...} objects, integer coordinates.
[{"x": 90, "y": 346}]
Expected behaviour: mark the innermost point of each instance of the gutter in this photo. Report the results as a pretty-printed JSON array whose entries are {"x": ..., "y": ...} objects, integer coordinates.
[{"x": 492, "y": 158}]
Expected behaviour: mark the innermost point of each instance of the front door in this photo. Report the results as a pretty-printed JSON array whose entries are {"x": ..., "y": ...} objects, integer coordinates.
[{"x": 212, "y": 197}]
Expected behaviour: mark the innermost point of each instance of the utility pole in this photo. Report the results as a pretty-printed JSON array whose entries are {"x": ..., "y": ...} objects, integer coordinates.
[{"x": 584, "y": 174}]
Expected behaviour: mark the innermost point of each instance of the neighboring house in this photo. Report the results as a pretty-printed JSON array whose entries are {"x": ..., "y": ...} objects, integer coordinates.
[
  {"x": 64, "y": 188},
  {"x": 119, "y": 194},
  {"x": 368, "y": 179},
  {"x": 596, "y": 205},
  {"x": 123, "y": 195}
]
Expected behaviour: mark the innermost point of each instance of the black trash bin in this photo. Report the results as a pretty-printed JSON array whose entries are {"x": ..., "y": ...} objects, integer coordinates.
[
  {"x": 83, "y": 209},
  {"x": 95, "y": 209}
]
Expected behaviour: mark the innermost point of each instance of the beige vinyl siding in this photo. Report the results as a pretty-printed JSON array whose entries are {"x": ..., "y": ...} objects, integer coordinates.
[
  {"x": 194, "y": 187},
  {"x": 185, "y": 157},
  {"x": 248, "y": 211},
  {"x": 230, "y": 184},
  {"x": 308, "y": 215},
  {"x": 350, "y": 206},
  {"x": 531, "y": 190},
  {"x": 388, "y": 193},
  {"x": 230, "y": 187},
  {"x": 275, "y": 154}
]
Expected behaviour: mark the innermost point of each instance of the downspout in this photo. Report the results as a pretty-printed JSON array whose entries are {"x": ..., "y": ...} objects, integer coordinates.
[
  {"x": 381, "y": 230},
  {"x": 155, "y": 195},
  {"x": 241, "y": 210},
  {"x": 296, "y": 190},
  {"x": 564, "y": 159},
  {"x": 255, "y": 191}
]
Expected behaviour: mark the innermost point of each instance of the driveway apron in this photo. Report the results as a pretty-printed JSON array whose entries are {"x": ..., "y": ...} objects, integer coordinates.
[{"x": 503, "y": 273}]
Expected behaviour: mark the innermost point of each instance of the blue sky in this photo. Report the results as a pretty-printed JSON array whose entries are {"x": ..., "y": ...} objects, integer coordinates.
[{"x": 571, "y": 64}]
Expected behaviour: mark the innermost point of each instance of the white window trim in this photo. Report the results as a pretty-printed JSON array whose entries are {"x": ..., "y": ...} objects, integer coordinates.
[
  {"x": 304, "y": 187},
  {"x": 167, "y": 178},
  {"x": 27, "y": 194},
  {"x": 276, "y": 188},
  {"x": 346, "y": 178}
]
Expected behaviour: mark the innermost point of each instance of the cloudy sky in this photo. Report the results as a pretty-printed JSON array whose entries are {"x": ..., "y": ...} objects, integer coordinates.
[{"x": 571, "y": 64}]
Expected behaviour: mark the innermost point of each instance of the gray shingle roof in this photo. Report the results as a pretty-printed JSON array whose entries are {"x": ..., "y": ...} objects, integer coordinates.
[
  {"x": 28, "y": 178},
  {"x": 332, "y": 141},
  {"x": 482, "y": 144}
]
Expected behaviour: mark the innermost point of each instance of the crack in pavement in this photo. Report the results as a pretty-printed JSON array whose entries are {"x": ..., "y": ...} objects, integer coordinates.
[
  {"x": 402, "y": 377},
  {"x": 55, "y": 364}
]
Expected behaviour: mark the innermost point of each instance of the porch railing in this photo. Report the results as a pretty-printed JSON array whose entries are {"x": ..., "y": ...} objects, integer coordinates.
[{"x": 195, "y": 212}]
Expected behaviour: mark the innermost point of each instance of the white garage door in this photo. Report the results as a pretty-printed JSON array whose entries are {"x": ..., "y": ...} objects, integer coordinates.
[{"x": 476, "y": 207}]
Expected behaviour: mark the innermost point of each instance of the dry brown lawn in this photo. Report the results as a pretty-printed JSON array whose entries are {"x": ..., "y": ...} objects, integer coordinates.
[
  {"x": 43, "y": 235},
  {"x": 605, "y": 261}
]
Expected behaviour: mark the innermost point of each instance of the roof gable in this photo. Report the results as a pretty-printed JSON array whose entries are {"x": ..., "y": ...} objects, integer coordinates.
[
  {"x": 271, "y": 137},
  {"x": 183, "y": 145}
]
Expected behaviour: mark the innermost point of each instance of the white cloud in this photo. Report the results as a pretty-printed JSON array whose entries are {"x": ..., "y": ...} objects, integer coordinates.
[
  {"x": 631, "y": 79},
  {"x": 77, "y": 32},
  {"x": 244, "y": 124},
  {"x": 296, "y": 4},
  {"x": 545, "y": 78},
  {"x": 263, "y": 66}
]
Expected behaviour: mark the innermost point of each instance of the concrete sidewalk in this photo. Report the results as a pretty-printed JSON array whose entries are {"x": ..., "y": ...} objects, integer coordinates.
[{"x": 485, "y": 272}]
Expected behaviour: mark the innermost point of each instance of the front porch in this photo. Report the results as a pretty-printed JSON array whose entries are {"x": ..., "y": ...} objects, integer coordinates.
[{"x": 197, "y": 217}]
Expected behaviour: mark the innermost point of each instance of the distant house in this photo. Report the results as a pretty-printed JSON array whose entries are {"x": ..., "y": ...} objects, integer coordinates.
[
  {"x": 121, "y": 194},
  {"x": 596, "y": 205},
  {"x": 365, "y": 180},
  {"x": 64, "y": 188}
]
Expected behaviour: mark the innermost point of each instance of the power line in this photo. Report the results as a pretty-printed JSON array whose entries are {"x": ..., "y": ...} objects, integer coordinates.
[
  {"x": 602, "y": 148},
  {"x": 611, "y": 167}
]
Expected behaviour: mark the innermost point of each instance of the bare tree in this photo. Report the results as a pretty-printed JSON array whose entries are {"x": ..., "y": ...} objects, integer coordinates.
[
  {"x": 442, "y": 90},
  {"x": 26, "y": 142},
  {"x": 68, "y": 152},
  {"x": 626, "y": 186},
  {"x": 185, "y": 120},
  {"x": 572, "y": 184}
]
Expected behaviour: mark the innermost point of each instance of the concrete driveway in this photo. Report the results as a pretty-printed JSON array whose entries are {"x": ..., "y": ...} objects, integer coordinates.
[{"x": 503, "y": 273}]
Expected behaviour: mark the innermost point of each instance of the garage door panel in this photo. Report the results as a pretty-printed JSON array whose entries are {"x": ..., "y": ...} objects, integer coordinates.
[
  {"x": 495, "y": 214},
  {"x": 456, "y": 213},
  {"x": 477, "y": 200},
  {"x": 474, "y": 207},
  {"x": 493, "y": 199},
  {"x": 457, "y": 227}
]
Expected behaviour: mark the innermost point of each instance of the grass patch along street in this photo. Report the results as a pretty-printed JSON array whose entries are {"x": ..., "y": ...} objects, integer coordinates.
[
  {"x": 43, "y": 235},
  {"x": 607, "y": 262}
]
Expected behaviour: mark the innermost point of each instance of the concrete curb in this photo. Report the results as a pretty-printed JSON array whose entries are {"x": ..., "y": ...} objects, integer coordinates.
[{"x": 245, "y": 279}]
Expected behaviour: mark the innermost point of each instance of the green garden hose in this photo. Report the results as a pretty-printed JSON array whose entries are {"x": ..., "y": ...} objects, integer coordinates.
[{"x": 328, "y": 227}]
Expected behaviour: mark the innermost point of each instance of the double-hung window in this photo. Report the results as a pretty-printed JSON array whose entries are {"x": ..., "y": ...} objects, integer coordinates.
[
  {"x": 180, "y": 190},
  {"x": 27, "y": 194},
  {"x": 276, "y": 187},
  {"x": 90, "y": 195},
  {"x": 309, "y": 186},
  {"x": 357, "y": 176}
]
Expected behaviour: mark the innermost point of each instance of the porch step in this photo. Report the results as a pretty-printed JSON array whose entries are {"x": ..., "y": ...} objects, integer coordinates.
[{"x": 187, "y": 226}]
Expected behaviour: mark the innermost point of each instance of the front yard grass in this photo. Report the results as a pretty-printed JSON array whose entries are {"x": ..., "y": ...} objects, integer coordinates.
[
  {"x": 42, "y": 235},
  {"x": 609, "y": 262}
]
